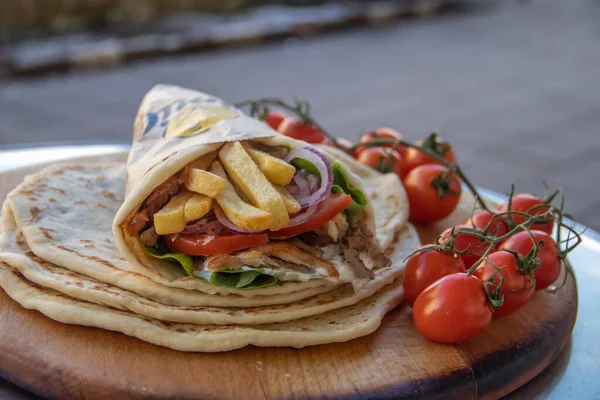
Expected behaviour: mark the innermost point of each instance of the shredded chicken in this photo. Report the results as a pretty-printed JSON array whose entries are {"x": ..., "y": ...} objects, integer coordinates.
[
  {"x": 155, "y": 202},
  {"x": 336, "y": 227},
  {"x": 149, "y": 237},
  {"x": 352, "y": 256},
  {"x": 311, "y": 249},
  {"x": 288, "y": 252},
  {"x": 138, "y": 222},
  {"x": 276, "y": 255}
]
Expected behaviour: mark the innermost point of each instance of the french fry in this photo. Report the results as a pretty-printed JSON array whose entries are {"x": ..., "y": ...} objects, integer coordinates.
[
  {"x": 204, "y": 182},
  {"x": 245, "y": 174},
  {"x": 240, "y": 213},
  {"x": 276, "y": 170},
  {"x": 204, "y": 161},
  {"x": 291, "y": 205},
  {"x": 197, "y": 207},
  {"x": 171, "y": 218}
]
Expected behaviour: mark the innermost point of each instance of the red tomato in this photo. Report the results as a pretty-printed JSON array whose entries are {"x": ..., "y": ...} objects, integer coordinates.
[
  {"x": 425, "y": 203},
  {"x": 382, "y": 159},
  {"x": 524, "y": 203},
  {"x": 328, "y": 208},
  {"x": 481, "y": 220},
  {"x": 549, "y": 268},
  {"x": 381, "y": 134},
  {"x": 293, "y": 128},
  {"x": 453, "y": 309},
  {"x": 415, "y": 158},
  {"x": 274, "y": 118},
  {"x": 208, "y": 245},
  {"x": 517, "y": 287},
  {"x": 424, "y": 268},
  {"x": 476, "y": 246}
]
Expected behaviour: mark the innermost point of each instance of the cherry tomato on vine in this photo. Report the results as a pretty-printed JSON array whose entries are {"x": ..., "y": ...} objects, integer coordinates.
[
  {"x": 525, "y": 202},
  {"x": 382, "y": 159},
  {"x": 474, "y": 245},
  {"x": 549, "y": 268},
  {"x": 453, "y": 309},
  {"x": 517, "y": 287},
  {"x": 415, "y": 158},
  {"x": 481, "y": 219},
  {"x": 432, "y": 193},
  {"x": 274, "y": 118},
  {"x": 381, "y": 134},
  {"x": 293, "y": 128},
  {"x": 424, "y": 268}
]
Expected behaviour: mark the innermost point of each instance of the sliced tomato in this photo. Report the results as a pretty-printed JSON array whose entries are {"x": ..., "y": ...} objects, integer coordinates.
[
  {"x": 208, "y": 245},
  {"x": 328, "y": 208}
]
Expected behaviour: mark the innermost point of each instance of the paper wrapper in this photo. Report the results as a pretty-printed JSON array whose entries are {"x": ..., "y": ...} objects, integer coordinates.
[
  {"x": 173, "y": 127},
  {"x": 173, "y": 121}
]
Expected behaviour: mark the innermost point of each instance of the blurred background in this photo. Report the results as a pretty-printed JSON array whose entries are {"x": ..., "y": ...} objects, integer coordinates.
[{"x": 514, "y": 85}]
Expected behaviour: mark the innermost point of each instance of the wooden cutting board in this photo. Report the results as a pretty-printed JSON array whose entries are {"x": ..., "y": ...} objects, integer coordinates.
[{"x": 68, "y": 361}]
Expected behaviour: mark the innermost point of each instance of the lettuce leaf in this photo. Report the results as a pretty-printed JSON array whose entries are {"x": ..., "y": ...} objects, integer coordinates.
[
  {"x": 240, "y": 279},
  {"x": 184, "y": 260},
  {"x": 341, "y": 185},
  {"x": 307, "y": 165}
]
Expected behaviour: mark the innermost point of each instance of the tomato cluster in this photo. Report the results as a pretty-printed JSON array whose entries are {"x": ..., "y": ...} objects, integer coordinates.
[
  {"x": 489, "y": 266},
  {"x": 433, "y": 189}
]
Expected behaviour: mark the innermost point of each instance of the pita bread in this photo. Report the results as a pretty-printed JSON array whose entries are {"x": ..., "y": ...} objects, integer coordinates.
[{"x": 339, "y": 325}]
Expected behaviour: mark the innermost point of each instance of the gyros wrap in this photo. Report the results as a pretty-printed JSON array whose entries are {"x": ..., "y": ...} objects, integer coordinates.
[{"x": 216, "y": 199}]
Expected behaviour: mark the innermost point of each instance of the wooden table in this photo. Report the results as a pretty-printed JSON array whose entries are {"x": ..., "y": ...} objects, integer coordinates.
[{"x": 571, "y": 375}]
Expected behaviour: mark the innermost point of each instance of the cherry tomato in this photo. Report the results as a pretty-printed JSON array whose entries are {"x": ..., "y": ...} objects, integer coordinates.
[
  {"x": 517, "y": 287},
  {"x": 328, "y": 208},
  {"x": 426, "y": 267},
  {"x": 208, "y": 245},
  {"x": 425, "y": 203},
  {"x": 381, "y": 134},
  {"x": 481, "y": 219},
  {"x": 453, "y": 309},
  {"x": 463, "y": 240},
  {"x": 293, "y": 128},
  {"x": 524, "y": 203},
  {"x": 415, "y": 158},
  {"x": 274, "y": 118},
  {"x": 382, "y": 159},
  {"x": 549, "y": 268}
]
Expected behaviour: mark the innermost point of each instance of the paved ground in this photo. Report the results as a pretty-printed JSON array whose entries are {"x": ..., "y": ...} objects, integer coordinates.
[{"x": 516, "y": 88}]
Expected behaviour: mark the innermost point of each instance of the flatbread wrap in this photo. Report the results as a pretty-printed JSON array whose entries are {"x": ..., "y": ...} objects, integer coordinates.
[{"x": 219, "y": 198}]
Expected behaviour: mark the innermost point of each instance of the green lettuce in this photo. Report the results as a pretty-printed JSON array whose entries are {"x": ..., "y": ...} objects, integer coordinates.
[
  {"x": 242, "y": 279},
  {"x": 341, "y": 185},
  {"x": 239, "y": 279}
]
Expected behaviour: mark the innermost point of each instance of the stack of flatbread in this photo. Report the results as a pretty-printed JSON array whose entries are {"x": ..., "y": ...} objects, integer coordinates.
[{"x": 103, "y": 244}]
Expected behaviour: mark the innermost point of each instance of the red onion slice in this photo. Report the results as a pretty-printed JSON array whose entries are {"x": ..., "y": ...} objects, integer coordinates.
[
  {"x": 313, "y": 182},
  {"x": 302, "y": 183},
  {"x": 324, "y": 168},
  {"x": 229, "y": 225}
]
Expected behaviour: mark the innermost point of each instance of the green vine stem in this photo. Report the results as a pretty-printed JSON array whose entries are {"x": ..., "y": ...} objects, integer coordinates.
[{"x": 260, "y": 108}]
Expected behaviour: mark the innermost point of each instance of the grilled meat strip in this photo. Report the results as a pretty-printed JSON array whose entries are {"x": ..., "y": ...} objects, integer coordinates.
[
  {"x": 154, "y": 203},
  {"x": 276, "y": 255}
]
